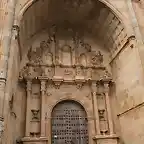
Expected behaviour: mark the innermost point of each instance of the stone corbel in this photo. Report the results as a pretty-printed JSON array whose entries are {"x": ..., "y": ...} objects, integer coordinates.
[
  {"x": 57, "y": 82},
  {"x": 79, "y": 83}
]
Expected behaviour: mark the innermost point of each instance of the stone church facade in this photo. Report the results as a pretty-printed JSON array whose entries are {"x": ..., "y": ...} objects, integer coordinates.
[{"x": 71, "y": 71}]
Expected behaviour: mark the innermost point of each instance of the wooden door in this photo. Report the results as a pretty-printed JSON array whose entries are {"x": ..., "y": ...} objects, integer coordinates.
[{"x": 69, "y": 124}]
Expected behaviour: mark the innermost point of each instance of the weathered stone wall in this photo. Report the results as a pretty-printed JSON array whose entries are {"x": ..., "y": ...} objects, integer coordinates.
[
  {"x": 128, "y": 77},
  {"x": 13, "y": 100},
  {"x": 138, "y": 7},
  {"x": 128, "y": 92}
]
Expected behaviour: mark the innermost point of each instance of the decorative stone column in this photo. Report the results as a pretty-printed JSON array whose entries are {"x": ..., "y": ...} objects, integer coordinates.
[
  {"x": 43, "y": 90},
  {"x": 110, "y": 138},
  {"x": 28, "y": 110},
  {"x": 7, "y": 9},
  {"x": 95, "y": 106},
  {"x": 110, "y": 122},
  {"x": 97, "y": 124}
]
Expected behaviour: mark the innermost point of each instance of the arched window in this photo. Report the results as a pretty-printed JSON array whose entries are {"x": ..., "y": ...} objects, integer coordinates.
[{"x": 69, "y": 123}]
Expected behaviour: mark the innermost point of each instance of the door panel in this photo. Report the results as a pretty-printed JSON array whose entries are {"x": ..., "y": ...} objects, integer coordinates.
[{"x": 69, "y": 124}]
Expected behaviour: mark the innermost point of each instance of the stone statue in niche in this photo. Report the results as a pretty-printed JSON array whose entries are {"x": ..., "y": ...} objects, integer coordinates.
[
  {"x": 83, "y": 60},
  {"x": 97, "y": 58},
  {"x": 34, "y": 55},
  {"x": 47, "y": 57},
  {"x": 66, "y": 55}
]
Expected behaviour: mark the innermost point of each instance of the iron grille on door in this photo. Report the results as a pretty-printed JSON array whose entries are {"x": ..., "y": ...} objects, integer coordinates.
[{"x": 69, "y": 124}]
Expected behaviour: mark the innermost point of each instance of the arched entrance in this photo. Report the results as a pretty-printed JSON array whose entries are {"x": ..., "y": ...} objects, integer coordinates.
[
  {"x": 66, "y": 47},
  {"x": 69, "y": 123}
]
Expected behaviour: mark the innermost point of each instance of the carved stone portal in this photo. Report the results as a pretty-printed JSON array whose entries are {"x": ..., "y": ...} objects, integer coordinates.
[{"x": 65, "y": 70}]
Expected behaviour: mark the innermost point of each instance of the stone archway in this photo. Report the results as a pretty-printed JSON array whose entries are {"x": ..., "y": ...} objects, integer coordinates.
[
  {"x": 65, "y": 55},
  {"x": 69, "y": 123}
]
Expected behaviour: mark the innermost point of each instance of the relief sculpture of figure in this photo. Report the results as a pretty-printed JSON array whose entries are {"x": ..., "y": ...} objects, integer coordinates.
[
  {"x": 83, "y": 60},
  {"x": 66, "y": 55},
  {"x": 47, "y": 58},
  {"x": 34, "y": 55}
]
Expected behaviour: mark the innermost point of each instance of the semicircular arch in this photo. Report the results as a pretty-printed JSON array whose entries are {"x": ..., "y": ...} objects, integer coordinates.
[
  {"x": 83, "y": 104},
  {"x": 29, "y": 3}
]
